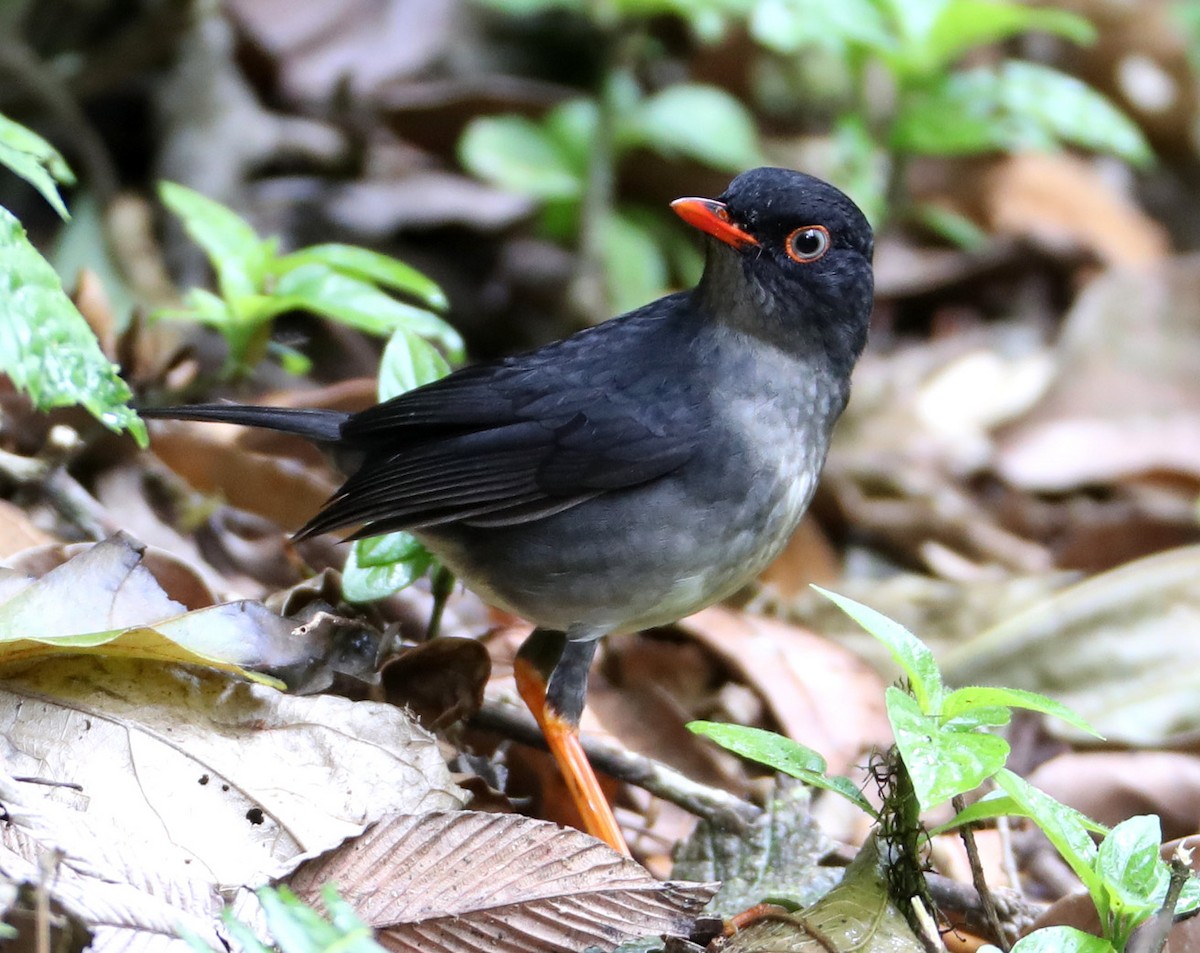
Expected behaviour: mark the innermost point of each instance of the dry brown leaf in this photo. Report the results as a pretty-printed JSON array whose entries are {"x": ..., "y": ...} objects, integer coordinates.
[
  {"x": 1110, "y": 786},
  {"x": 214, "y": 458},
  {"x": 1120, "y": 648},
  {"x": 1126, "y": 399},
  {"x": 819, "y": 693},
  {"x": 1058, "y": 199},
  {"x": 17, "y": 531},
  {"x": 467, "y": 882},
  {"x": 656, "y": 688},
  {"x": 440, "y": 681}
]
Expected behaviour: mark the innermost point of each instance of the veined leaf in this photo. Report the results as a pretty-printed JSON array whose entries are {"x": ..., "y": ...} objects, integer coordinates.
[
  {"x": 237, "y": 253},
  {"x": 46, "y": 346}
]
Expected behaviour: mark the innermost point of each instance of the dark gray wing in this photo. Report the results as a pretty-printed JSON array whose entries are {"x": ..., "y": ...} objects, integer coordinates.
[{"x": 526, "y": 437}]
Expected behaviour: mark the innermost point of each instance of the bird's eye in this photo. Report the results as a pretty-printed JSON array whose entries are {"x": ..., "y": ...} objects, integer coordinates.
[{"x": 807, "y": 243}]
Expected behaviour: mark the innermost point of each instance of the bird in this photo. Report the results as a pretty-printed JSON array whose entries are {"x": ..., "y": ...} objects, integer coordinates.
[{"x": 636, "y": 471}]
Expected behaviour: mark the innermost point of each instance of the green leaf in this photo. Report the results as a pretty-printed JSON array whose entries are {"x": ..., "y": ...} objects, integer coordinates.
[
  {"x": 367, "y": 265},
  {"x": 408, "y": 362},
  {"x": 788, "y": 26},
  {"x": 978, "y": 718},
  {"x": 1062, "y": 940},
  {"x": 571, "y": 126},
  {"x": 1016, "y": 106},
  {"x": 296, "y": 927},
  {"x": 1130, "y": 861},
  {"x": 965, "y": 699},
  {"x": 1065, "y": 827},
  {"x": 238, "y": 255},
  {"x": 360, "y": 305},
  {"x": 953, "y": 226},
  {"x": 913, "y": 20},
  {"x": 46, "y": 346},
  {"x": 941, "y": 762},
  {"x": 203, "y": 307},
  {"x": 635, "y": 268},
  {"x": 964, "y": 24},
  {"x": 781, "y": 754},
  {"x": 525, "y": 8},
  {"x": 382, "y": 565},
  {"x": 987, "y": 808},
  {"x": 997, "y": 804},
  {"x": 516, "y": 154},
  {"x": 698, "y": 122},
  {"x": 36, "y": 161},
  {"x": 1189, "y": 897},
  {"x": 910, "y": 653}
]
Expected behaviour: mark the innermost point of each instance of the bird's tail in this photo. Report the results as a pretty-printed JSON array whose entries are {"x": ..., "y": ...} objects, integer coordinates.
[{"x": 320, "y": 426}]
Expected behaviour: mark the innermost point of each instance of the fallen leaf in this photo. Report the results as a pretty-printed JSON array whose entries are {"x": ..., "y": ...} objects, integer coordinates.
[
  {"x": 819, "y": 693},
  {"x": 237, "y": 781},
  {"x": 1062, "y": 200},
  {"x": 440, "y": 681},
  {"x": 778, "y": 855},
  {"x": 123, "y": 898},
  {"x": 17, "y": 531},
  {"x": 1110, "y": 786},
  {"x": 1119, "y": 648},
  {"x": 105, "y": 601},
  {"x": 1126, "y": 397},
  {"x": 857, "y": 914},
  {"x": 467, "y": 882},
  {"x": 214, "y": 458}
]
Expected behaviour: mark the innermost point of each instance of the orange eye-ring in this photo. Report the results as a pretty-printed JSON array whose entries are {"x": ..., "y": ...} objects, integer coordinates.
[{"x": 807, "y": 243}]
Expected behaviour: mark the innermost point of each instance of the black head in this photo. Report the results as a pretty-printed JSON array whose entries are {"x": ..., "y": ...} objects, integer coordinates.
[{"x": 791, "y": 260}]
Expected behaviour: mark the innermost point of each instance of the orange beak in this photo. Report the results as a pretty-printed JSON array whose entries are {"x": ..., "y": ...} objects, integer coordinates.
[{"x": 712, "y": 218}]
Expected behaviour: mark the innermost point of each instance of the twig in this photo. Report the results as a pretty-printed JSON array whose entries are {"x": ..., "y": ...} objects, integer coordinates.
[
  {"x": 69, "y": 499},
  {"x": 712, "y": 804},
  {"x": 985, "y": 895},
  {"x": 1151, "y": 937}
]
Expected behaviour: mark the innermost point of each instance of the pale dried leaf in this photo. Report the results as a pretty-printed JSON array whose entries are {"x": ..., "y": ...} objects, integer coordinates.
[
  {"x": 468, "y": 882},
  {"x": 238, "y": 780},
  {"x": 1062, "y": 200},
  {"x": 1126, "y": 399},
  {"x": 1119, "y": 648},
  {"x": 104, "y": 600},
  {"x": 130, "y": 901}
]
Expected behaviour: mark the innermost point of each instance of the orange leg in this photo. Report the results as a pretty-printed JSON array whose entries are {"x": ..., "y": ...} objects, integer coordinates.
[{"x": 557, "y": 714}]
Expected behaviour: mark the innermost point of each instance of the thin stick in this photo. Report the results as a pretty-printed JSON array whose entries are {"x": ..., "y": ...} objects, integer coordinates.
[
  {"x": 719, "y": 807},
  {"x": 985, "y": 895}
]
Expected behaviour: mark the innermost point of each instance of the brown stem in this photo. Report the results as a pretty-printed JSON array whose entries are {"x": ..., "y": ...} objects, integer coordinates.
[{"x": 985, "y": 894}]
